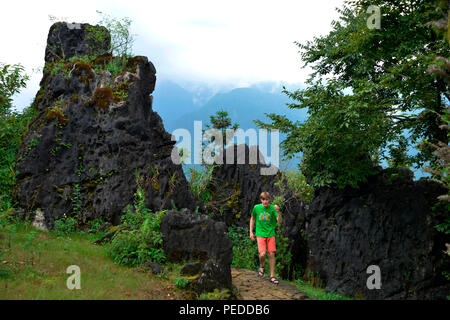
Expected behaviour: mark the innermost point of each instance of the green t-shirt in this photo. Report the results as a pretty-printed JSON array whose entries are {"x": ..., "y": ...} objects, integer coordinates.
[{"x": 266, "y": 220}]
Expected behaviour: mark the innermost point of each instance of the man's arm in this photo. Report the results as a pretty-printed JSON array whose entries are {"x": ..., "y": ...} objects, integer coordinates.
[
  {"x": 277, "y": 208},
  {"x": 252, "y": 220}
]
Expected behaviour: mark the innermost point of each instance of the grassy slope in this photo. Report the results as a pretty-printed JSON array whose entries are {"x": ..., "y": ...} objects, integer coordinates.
[{"x": 39, "y": 270}]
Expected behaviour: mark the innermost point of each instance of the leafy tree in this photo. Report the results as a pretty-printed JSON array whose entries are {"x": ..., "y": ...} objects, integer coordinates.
[
  {"x": 121, "y": 38},
  {"x": 12, "y": 126},
  {"x": 201, "y": 181},
  {"x": 441, "y": 70},
  {"x": 12, "y": 80},
  {"x": 222, "y": 122},
  {"x": 377, "y": 88}
]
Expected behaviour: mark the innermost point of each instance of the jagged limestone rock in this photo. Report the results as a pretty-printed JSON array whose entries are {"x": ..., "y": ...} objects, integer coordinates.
[
  {"x": 385, "y": 223},
  {"x": 94, "y": 133},
  {"x": 198, "y": 239}
]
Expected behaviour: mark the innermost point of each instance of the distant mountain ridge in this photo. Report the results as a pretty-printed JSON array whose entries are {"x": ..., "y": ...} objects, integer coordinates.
[{"x": 175, "y": 106}]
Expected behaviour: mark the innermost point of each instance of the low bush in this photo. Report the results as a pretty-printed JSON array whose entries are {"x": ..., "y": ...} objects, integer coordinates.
[
  {"x": 65, "y": 225},
  {"x": 245, "y": 251},
  {"x": 140, "y": 239}
]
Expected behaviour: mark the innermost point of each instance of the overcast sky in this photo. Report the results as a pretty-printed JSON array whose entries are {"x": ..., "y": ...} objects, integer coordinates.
[{"x": 194, "y": 43}]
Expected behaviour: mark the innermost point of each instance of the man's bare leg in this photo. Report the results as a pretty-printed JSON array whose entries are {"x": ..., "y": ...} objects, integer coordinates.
[
  {"x": 262, "y": 259},
  {"x": 272, "y": 263}
]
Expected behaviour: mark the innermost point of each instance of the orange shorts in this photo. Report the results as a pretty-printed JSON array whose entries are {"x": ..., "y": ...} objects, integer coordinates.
[{"x": 266, "y": 244}]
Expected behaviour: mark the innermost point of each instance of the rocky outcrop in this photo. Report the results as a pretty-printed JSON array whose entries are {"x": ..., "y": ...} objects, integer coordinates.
[
  {"x": 188, "y": 236},
  {"x": 236, "y": 187},
  {"x": 67, "y": 40},
  {"x": 388, "y": 224},
  {"x": 94, "y": 133}
]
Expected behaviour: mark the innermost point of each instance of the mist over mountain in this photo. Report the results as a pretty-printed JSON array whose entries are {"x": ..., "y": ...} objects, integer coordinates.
[
  {"x": 243, "y": 106},
  {"x": 176, "y": 107},
  {"x": 171, "y": 100}
]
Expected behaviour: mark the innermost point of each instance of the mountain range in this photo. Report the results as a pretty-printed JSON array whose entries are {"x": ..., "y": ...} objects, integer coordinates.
[{"x": 179, "y": 108}]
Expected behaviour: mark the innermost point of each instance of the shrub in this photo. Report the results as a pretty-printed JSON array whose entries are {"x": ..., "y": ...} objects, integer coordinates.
[
  {"x": 201, "y": 182},
  {"x": 132, "y": 247},
  {"x": 296, "y": 182},
  {"x": 181, "y": 282},
  {"x": 125, "y": 246},
  {"x": 94, "y": 225},
  {"x": 4, "y": 272},
  {"x": 65, "y": 225},
  {"x": 283, "y": 256},
  {"x": 245, "y": 251},
  {"x": 140, "y": 240},
  {"x": 116, "y": 66}
]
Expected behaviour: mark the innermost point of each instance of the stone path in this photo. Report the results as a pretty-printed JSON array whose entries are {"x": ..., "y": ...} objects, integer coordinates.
[{"x": 252, "y": 287}]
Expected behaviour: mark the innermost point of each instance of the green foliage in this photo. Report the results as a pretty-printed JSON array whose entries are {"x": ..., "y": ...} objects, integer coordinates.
[
  {"x": 245, "y": 251},
  {"x": 140, "y": 240},
  {"x": 8, "y": 222},
  {"x": 116, "y": 66},
  {"x": 136, "y": 246},
  {"x": 112, "y": 38},
  {"x": 201, "y": 182},
  {"x": 65, "y": 225},
  {"x": 215, "y": 295},
  {"x": 76, "y": 200},
  {"x": 94, "y": 225},
  {"x": 121, "y": 41},
  {"x": 30, "y": 240},
  {"x": 377, "y": 89},
  {"x": 445, "y": 225},
  {"x": 440, "y": 213},
  {"x": 125, "y": 248},
  {"x": 13, "y": 126},
  {"x": 318, "y": 293},
  {"x": 4, "y": 272},
  {"x": 221, "y": 122},
  {"x": 398, "y": 154},
  {"x": 279, "y": 201},
  {"x": 121, "y": 38},
  {"x": 283, "y": 257},
  {"x": 116, "y": 32},
  {"x": 212, "y": 148},
  {"x": 181, "y": 282},
  {"x": 12, "y": 80},
  {"x": 296, "y": 182}
]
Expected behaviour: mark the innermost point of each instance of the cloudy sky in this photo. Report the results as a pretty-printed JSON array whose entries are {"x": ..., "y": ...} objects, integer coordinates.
[{"x": 220, "y": 44}]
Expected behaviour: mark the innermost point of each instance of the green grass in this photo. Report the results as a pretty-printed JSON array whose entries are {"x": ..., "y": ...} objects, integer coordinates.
[
  {"x": 317, "y": 292},
  {"x": 34, "y": 267}
]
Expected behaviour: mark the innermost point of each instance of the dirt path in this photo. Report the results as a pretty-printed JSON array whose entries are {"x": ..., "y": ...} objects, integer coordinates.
[{"x": 252, "y": 287}]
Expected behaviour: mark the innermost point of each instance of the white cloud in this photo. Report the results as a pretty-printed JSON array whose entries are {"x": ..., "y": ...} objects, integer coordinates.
[{"x": 215, "y": 42}]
